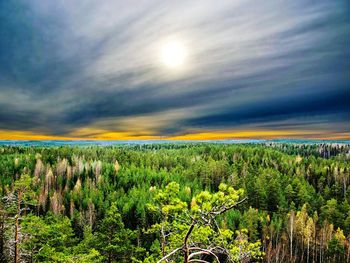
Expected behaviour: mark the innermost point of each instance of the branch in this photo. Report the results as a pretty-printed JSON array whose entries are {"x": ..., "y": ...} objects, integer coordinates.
[
  {"x": 228, "y": 208},
  {"x": 217, "y": 226},
  {"x": 170, "y": 254},
  {"x": 203, "y": 251},
  {"x": 188, "y": 234},
  {"x": 198, "y": 260},
  {"x": 197, "y": 254}
]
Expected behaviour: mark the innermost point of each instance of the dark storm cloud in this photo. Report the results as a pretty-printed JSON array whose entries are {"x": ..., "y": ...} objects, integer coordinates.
[
  {"x": 279, "y": 109},
  {"x": 66, "y": 65}
]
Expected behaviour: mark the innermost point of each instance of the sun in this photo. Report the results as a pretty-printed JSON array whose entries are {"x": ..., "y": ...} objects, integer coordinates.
[{"x": 173, "y": 54}]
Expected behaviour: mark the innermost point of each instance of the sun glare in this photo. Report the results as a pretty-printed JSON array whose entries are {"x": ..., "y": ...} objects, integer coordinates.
[{"x": 173, "y": 54}]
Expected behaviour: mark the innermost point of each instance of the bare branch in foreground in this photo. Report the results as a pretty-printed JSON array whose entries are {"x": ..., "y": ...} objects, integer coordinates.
[{"x": 170, "y": 254}]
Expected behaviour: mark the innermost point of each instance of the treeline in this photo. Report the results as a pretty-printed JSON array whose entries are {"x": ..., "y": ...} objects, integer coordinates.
[
  {"x": 324, "y": 150},
  {"x": 92, "y": 204}
]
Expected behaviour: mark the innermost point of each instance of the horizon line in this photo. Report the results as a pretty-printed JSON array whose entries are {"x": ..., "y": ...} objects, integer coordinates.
[{"x": 191, "y": 135}]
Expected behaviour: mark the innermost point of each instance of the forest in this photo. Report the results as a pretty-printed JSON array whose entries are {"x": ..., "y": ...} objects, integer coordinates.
[{"x": 175, "y": 202}]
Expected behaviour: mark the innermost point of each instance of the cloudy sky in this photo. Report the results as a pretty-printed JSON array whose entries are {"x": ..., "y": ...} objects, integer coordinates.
[{"x": 248, "y": 69}]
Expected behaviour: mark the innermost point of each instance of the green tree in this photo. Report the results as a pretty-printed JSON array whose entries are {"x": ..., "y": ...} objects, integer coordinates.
[
  {"x": 18, "y": 203},
  {"x": 195, "y": 232},
  {"x": 115, "y": 241}
]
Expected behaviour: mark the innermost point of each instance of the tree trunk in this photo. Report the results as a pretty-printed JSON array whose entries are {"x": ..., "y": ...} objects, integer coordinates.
[
  {"x": 302, "y": 249},
  {"x": 185, "y": 246},
  {"x": 291, "y": 241},
  {"x": 17, "y": 255},
  {"x": 314, "y": 253},
  {"x": 2, "y": 238},
  {"x": 163, "y": 242}
]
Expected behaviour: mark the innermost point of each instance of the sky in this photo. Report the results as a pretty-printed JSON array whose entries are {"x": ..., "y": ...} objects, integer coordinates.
[{"x": 251, "y": 69}]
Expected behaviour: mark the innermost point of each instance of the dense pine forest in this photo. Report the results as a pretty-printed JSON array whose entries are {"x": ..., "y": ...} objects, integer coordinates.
[{"x": 193, "y": 202}]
